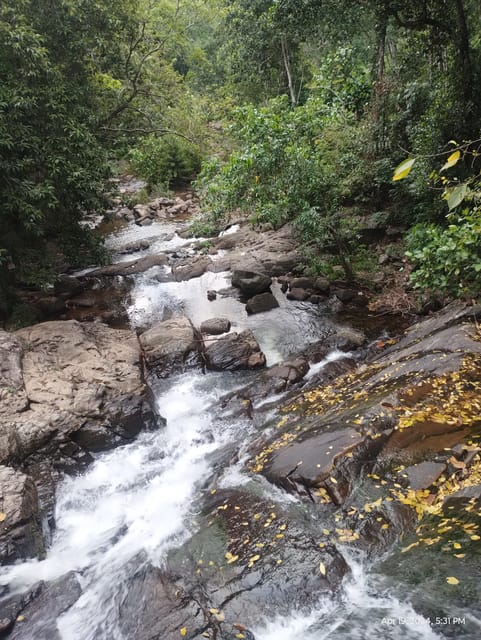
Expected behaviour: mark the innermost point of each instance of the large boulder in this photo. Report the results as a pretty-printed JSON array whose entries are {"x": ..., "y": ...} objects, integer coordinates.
[
  {"x": 250, "y": 282},
  {"x": 234, "y": 351},
  {"x": 261, "y": 302},
  {"x": 60, "y": 377},
  {"x": 171, "y": 347},
  {"x": 66, "y": 389}
]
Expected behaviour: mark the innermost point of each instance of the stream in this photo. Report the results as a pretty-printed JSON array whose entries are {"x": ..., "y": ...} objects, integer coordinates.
[{"x": 140, "y": 501}]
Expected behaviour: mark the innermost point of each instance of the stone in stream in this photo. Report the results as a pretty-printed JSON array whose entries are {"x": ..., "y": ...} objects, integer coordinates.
[
  {"x": 191, "y": 268},
  {"x": 298, "y": 294},
  {"x": 233, "y": 352},
  {"x": 171, "y": 347},
  {"x": 261, "y": 302},
  {"x": 251, "y": 283},
  {"x": 130, "y": 268},
  {"x": 215, "y": 326}
]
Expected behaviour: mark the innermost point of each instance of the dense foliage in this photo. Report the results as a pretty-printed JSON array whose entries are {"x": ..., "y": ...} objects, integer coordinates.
[{"x": 317, "y": 102}]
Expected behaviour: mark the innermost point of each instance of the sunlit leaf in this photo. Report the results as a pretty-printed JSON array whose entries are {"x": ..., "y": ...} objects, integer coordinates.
[
  {"x": 452, "y": 580},
  {"x": 322, "y": 568},
  {"x": 452, "y": 160},
  {"x": 404, "y": 169}
]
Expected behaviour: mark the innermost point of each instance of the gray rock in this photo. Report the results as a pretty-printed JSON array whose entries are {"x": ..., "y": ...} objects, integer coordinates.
[
  {"x": 215, "y": 326},
  {"x": 261, "y": 302},
  {"x": 298, "y": 294},
  {"x": 250, "y": 282},
  {"x": 234, "y": 351},
  {"x": 20, "y": 531},
  {"x": 61, "y": 375},
  {"x": 302, "y": 283},
  {"x": 171, "y": 347}
]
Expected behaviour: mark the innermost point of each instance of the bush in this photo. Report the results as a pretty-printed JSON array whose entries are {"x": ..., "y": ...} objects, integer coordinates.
[
  {"x": 447, "y": 260},
  {"x": 165, "y": 161}
]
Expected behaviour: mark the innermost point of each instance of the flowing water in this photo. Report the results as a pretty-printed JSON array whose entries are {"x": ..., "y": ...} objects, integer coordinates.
[{"x": 139, "y": 501}]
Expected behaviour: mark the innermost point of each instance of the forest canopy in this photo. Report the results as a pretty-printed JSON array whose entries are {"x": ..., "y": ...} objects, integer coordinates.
[{"x": 317, "y": 103}]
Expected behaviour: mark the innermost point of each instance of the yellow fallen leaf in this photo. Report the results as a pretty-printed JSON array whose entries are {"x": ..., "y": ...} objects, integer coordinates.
[
  {"x": 452, "y": 580},
  {"x": 2, "y": 516},
  {"x": 456, "y": 545},
  {"x": 183, "y": 631},
  {"x": 322, "y": 568}
]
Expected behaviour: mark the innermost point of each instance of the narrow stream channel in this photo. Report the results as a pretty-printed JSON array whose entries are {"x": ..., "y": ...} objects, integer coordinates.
[{"x": 139, "y": 501}]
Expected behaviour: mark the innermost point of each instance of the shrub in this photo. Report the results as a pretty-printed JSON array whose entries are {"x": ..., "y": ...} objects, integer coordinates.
[{"x": 164, "y": 161}]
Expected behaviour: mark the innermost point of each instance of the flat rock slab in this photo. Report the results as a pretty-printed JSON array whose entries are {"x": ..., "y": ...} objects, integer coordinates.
[
  {"x": 130, "y": 268},
  {"x": 424, "y": 474},
  {"x": 312, "y": 461}
]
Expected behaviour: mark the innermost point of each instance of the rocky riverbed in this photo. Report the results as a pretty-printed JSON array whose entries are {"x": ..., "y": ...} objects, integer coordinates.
[{"x": 199, "y": 445}]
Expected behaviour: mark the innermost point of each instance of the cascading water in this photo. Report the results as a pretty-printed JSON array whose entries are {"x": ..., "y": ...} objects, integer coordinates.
[{"x": 138, "y": 502}]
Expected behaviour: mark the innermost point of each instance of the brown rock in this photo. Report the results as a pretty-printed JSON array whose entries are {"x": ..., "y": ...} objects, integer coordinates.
[
  {"x": 171, "y": 347},
  {"x": 215, "y": 326}
]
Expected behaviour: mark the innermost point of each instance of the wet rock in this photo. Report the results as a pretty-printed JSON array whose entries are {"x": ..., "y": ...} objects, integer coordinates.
[
  {"x": 261, "y": 302},
  {"x": 154, "y": 607},
  {"x": 50, "y": 305},
  {"x": 298, "y": 294},
  {"x": 130, "y": 268},
  {"x": 256, "y": 561},
  {"x": 346, "y": 339},
  {"x": 305, "y": 465},
  {"x": 20, "y": 530},
  {"x": 144, "y": 222},
  {"x": 424, "y": 474},
  {"x": 251, "y": 283},
  {"x": 171, "y": 347},
  {"x": 191, "y": 268},
  {"x": 322, "y": 284},
  {"x": 233, "y": 352},
  {"x": 211, "y": 295},
  {"x": 272, "y": 381},
  {"x": 134, "y": 247},
  {"x": 215, "y": 326},
  {"x": 302, "y": 283},
  {"x": 41, "y": 613},
  {"x": 68, "y": 286},
  {"x": 468, "y": 495},
  {"x": 344, "y": 295}
]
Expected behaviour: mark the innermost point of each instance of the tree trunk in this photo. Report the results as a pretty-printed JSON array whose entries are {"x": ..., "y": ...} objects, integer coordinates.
[
  {"x": 287, "y": 66},
  {"x": 464, "y": 49},
  {"x": 382, "y": 19}
]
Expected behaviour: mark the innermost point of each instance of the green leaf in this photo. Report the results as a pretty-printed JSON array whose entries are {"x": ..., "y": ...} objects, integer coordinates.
[
  {"x": 404, "y": 169},
  {"x": 457, "y": 195},
  {"x": 452, "y": 160}
]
